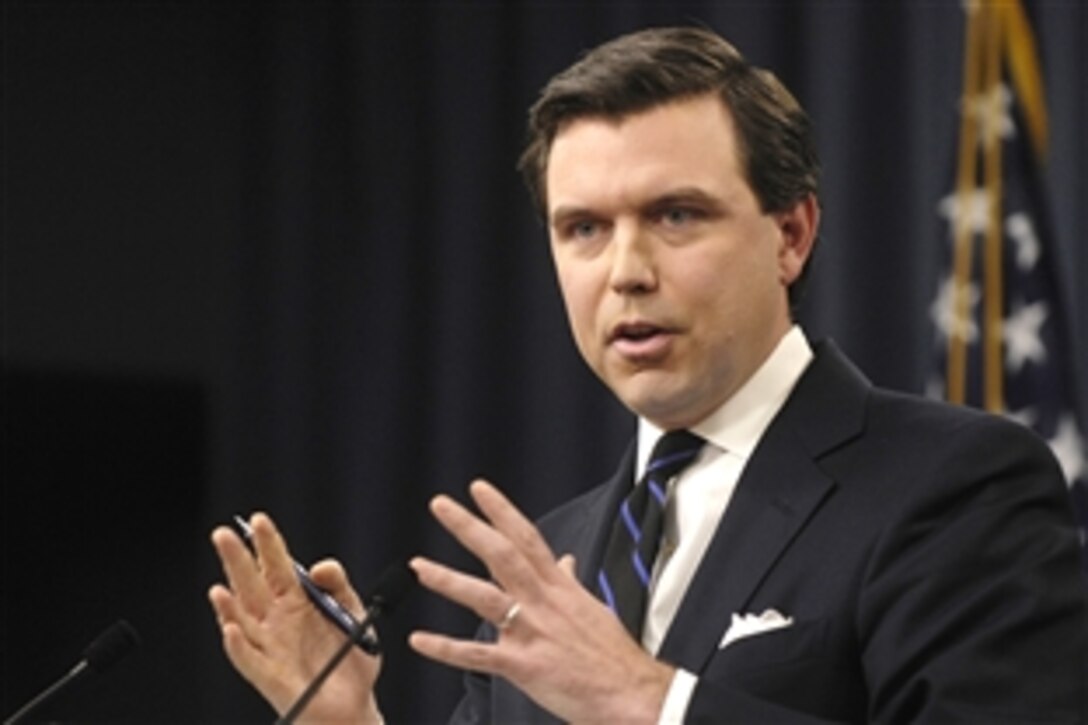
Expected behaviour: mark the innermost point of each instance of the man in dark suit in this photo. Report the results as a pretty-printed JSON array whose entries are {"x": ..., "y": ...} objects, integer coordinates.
[{"x": 828, "y": 551}]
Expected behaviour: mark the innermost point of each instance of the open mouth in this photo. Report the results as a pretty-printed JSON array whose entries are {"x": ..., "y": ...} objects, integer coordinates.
[
  {"x": 641, "y": 340},
  {"x": 636, "y": 331}
]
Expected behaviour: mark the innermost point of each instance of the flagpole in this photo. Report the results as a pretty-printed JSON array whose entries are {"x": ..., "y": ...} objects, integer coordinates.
[
  {"x": 956, "y": 375},
  {"x": 993, "y": 283}
]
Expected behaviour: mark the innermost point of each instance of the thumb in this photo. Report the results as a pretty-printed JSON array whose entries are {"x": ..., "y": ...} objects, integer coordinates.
[
  {"x": 329, "y": 574},
  {"x": 567, "y": 564}
]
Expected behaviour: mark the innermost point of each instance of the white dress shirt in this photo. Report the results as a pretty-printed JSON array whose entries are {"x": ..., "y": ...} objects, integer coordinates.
[{"x": 699, "y": 494}]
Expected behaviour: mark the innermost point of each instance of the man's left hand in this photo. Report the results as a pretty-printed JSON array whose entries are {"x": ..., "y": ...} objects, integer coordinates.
[{"x": 556, "y": 642}]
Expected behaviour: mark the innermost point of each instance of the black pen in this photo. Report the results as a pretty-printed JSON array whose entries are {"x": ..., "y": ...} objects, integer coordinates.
[{"x": 333, "y": 610}]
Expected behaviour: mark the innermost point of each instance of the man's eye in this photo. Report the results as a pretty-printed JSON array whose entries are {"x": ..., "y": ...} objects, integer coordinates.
[
  {"x": 679, "y": 215},
  {"x": 582, "y": 229}
]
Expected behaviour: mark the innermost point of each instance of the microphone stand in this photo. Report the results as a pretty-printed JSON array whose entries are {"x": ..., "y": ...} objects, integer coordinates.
[
  {"x": 106, "y": 650},
  {"x": 341, "y": 652},
  {"x": 390, "y": 589},
  {"x": 47, "y": 694}
]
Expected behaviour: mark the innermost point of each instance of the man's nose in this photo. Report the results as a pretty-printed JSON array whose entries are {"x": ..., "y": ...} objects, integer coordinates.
[{"x": 633, "y": 260}]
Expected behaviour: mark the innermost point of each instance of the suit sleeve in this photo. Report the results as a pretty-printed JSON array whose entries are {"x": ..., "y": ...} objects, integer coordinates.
[{"x": 971, "y": 606}]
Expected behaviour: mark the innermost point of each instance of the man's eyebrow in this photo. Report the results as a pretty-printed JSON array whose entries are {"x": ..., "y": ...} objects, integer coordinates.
[
  {"x": 686, "y": 194},
  {"x": 564, "y": 214},
  {"x": 680, "y": 195}
]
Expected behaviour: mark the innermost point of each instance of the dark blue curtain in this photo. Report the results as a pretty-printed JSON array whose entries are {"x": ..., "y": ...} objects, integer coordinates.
[{"x": 309, "y": 214}]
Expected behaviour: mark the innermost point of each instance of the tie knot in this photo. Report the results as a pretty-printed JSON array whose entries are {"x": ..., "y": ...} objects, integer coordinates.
[{"x": 674, "y": 450}]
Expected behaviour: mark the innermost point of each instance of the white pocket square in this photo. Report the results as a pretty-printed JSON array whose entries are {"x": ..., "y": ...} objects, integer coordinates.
[{"x": 746, "y": 625}]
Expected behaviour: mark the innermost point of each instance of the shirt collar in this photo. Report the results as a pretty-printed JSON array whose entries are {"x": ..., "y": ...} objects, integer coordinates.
[{"x": 738, "y": 424}]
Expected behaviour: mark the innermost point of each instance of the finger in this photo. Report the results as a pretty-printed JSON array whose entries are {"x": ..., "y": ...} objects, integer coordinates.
[
  {"x": 569, "y": 566},
  {"x": 239, "y": 645},
  {"x": 482, "y": 597},
  {"x": 275, "y": 562},
  {"x": 229, "y": 611},
  {"x": 222, "y": 604},
  {"x": 493, "y": 548},
  {"x": 511, "y": 522},
  {"x": 458, "y": 653},
  {"x": 243, "y": 576},
  {"x": 329, "y": 574}
]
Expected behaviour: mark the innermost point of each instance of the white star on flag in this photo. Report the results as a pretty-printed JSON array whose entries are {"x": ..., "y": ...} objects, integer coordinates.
[
  {"x": 1022, "y": 335},
  {"x": 976, "y": 213},
  {"x": 981, "y": 104},
  {"x": 1021, "y": 232},
  {"x": 943, "y": 315}
]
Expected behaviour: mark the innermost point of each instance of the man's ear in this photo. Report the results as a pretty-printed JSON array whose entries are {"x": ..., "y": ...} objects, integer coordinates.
[{"x": 797, "y": 226}]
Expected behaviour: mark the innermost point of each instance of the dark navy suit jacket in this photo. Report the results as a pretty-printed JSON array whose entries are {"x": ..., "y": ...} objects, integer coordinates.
[{"x": 926, "y": 553}]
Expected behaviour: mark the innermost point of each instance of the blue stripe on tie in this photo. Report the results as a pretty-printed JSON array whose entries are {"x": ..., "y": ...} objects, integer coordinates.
[
  {"x": 630, "y": 523},
  {"x": 640, "y": 568},
  {"x": 667, "y": 460},
  {"x": 658, "y": 493},
  {"x": 606, "y": 590}
]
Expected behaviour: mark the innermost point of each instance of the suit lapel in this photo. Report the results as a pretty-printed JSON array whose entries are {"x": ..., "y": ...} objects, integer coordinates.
[
  {"x": 585, "y": 533},
  {"x": 602, "y": 514},
  {"x": 780, "y": 490},
  {"x": 776, "y": 495}
]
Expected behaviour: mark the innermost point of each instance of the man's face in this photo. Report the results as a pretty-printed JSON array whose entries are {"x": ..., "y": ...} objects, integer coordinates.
[{"x": 673, "y": 278}]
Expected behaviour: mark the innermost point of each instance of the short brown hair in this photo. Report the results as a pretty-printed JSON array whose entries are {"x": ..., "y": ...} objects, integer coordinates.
[{"x": 648, "y": 68}]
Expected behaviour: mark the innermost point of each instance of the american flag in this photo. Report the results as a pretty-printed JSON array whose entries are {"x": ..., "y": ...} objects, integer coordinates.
[{"x": 1001, "y": 330}]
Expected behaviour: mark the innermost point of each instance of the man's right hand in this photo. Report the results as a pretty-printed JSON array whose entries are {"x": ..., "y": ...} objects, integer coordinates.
[{"x": 277, "y": 639}]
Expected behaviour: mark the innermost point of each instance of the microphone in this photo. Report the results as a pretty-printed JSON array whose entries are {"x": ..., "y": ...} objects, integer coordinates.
[
  {"x": 384, "y": 596},
  {"x": 106, "y": 650}
]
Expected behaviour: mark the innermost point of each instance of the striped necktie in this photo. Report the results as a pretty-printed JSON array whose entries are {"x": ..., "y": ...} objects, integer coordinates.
[{"x": 624, "y": 577}]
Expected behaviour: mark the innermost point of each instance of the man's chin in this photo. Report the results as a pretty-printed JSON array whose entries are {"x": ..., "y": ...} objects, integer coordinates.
[{"x": 664, "y": 407}]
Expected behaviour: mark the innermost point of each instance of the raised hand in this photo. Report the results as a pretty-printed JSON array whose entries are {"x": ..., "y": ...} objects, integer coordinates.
[
  {"x": 276, "y": 638},
  {"x": 556, "y": 641}
]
